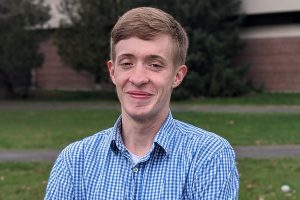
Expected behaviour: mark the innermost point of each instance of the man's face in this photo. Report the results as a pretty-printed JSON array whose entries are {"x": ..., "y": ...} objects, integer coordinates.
[{"x": 144, "y": 75}]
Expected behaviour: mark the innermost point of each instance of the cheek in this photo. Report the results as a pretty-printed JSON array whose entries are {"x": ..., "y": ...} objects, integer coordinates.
[
  {"x": 121, "y": 82},
  {"x": 119, "y": 75},
  {"x": 165, "y": 85}
]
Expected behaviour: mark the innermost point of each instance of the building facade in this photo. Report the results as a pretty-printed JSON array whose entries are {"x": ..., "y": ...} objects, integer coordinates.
[
  {"x": 271, "y": 32},
  {"x": 272, "y": 44}
]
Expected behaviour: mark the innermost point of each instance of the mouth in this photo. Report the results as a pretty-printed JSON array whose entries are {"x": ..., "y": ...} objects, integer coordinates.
[{"x": 139, "y": 94}]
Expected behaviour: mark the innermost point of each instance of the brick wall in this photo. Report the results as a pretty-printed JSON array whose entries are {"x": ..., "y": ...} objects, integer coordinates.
[
  {"x": 54, "y": 74},
  {"x": 274, "y": 63}
]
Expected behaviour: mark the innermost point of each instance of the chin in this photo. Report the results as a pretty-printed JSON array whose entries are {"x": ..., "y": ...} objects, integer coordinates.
[{"x": 139, "y": 113}]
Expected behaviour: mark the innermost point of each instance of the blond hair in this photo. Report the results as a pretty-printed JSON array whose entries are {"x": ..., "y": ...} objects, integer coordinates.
[{"x": 147, "y": 23}]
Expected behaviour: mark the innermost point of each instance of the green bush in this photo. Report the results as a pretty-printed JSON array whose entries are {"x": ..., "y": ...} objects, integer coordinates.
[
  {"x": 212, "y": 26},
  {"x": 19, "y": 43}
]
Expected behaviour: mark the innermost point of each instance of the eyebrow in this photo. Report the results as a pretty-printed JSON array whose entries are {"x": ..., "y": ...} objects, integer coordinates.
[
  {"x": 147, "y": 58},
  {"x": 156, "y": 57},
  {"x": 126, "y": 55}
]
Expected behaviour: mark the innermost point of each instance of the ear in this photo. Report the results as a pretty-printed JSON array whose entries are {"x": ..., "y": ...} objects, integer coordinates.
[
  {"x": 181, "y": 71},
  {"x": 111, "y": 70}
]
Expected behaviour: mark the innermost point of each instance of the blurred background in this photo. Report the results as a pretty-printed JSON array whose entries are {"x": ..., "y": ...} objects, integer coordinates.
[
  {"x": 243, "y": 83},
  {"x": 235, "y": 46}
]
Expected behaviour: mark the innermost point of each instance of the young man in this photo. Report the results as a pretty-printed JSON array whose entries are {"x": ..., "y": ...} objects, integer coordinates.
[{"x": 147, "y": 154}]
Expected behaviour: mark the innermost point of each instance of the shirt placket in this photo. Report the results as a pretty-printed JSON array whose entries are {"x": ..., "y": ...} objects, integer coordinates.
[{"x": 137, "y": 186}]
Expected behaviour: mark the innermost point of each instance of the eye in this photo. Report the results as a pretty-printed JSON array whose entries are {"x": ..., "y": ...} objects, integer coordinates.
[
  {"x": 126, "y": 65},
  {"x": 156, "y": 66}
]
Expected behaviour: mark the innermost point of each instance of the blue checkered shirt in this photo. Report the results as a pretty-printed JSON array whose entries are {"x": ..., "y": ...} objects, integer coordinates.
[{"x": 185, "y": 162}]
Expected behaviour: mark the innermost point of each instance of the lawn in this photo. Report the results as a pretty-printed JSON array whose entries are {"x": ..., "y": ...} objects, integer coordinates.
[
  {"x": 46, "y": 129},
  {"x": 52, "y": 129},
  {"x": 23, "y": 181},
  {"x": 109, "y": 96},
  {"x": 250, "y": 99},
  {"x": 262, "y": 179},
  {"x": 259, "y": 179},
  {"x": 249, "y": 128}
]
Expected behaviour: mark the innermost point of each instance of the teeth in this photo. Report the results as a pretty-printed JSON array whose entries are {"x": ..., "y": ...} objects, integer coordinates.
[{"x": 137, "y": 94}]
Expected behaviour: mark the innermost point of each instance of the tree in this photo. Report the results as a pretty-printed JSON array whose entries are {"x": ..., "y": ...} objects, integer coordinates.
[
  {"x": 213, "y": 28},
  {"x": 83, "y": 39},
  {"x": 212, "y": 25},
  {"x": 18, "y": 43}
]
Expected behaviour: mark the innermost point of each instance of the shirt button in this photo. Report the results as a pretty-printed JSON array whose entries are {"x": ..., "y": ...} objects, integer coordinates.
[{"x": 135, "y": 169}]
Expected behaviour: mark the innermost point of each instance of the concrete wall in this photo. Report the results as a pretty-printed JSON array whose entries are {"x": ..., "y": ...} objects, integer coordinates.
[
  {"x": 271, "y": 31},
  {"x": 269, "y": 6}
]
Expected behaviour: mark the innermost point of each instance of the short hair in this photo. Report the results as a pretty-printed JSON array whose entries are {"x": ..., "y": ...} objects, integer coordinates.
[{"x": 147, "y": 23}]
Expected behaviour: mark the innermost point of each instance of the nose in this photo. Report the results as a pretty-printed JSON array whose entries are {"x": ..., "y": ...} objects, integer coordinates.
[{"x": 139, "y": 76}]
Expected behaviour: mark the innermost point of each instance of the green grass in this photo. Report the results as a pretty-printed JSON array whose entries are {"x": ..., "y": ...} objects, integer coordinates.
[
  {"x": 66, "y": 96},
  {"x": 52, "y": 129},
  {"x": 49, "y": 129},
  {"x": 250, "y": 99},
  {"x": 262, "y": 179},
  {"x": 95, "y": 96},
  {"x": 23, "y": 181},
  {"x": 248, "y": 128},
  {"x": 259, "y": 179}
]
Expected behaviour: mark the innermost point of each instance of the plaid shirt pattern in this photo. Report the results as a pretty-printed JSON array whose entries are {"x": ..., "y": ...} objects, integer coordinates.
[{"x": 185, "y": 162}]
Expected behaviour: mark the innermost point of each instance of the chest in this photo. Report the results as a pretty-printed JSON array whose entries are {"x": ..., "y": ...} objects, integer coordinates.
[{"x": 155, "y": 178}]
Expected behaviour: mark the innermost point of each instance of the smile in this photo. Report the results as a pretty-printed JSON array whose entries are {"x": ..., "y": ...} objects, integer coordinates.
[{"x": 139, "y": 94}]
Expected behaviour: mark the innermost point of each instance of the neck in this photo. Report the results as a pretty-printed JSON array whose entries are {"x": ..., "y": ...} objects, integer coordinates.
[{"x": 138, "y": 136}]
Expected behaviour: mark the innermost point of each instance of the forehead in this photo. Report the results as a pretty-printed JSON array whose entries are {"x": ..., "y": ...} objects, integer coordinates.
[{"x": 135, "y": 47}]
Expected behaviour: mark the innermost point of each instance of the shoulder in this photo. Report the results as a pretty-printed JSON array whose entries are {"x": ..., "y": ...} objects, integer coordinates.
[
  {"x": 211, "y": 163},
  {"x": 83, "y": 148},
  {"x": 200, "y": 142}
]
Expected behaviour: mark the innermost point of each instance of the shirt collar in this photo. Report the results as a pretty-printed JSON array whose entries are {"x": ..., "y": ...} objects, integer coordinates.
[
  {"x": 166, "y": 133},
  {"x": 116, "y": 139},
  {"x": 162, "y": 138}
]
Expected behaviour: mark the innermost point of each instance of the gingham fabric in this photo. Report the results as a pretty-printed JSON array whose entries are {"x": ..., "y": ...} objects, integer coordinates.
[{"x": 185, "y": 162}]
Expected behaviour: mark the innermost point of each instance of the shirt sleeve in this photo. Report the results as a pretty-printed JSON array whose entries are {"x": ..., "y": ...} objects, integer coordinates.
[
  {"x": 60, "y": 183},
  {"x": 217, "y": 178}
]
